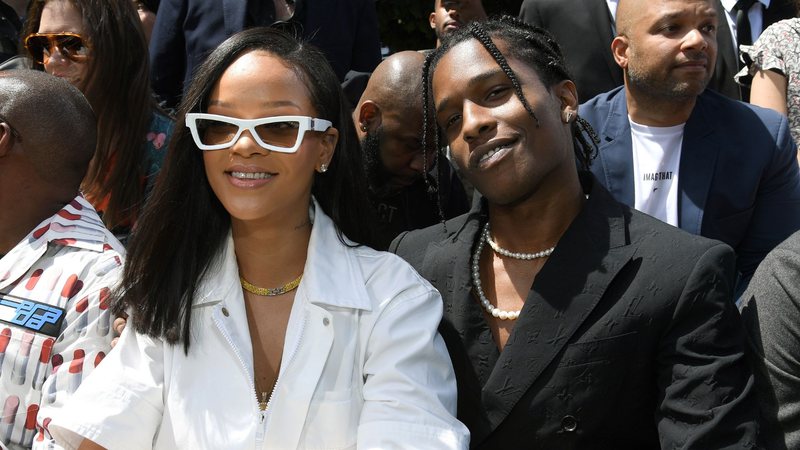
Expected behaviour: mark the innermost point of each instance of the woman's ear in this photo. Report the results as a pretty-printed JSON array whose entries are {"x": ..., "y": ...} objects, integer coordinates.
[{"x": 328, "y": 142}]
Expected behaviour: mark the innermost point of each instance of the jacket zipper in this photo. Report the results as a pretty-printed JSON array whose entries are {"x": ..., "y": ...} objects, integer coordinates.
[
  {"x": 261, "y": 414},
  {"x": 291, "y": 357}
]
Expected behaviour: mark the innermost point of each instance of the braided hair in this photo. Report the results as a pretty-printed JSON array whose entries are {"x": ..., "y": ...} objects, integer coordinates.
[{"x": 526, "y": 43}]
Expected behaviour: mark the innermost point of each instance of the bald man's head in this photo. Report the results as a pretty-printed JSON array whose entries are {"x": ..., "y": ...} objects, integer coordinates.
[
  {"x": 56, "y": 126},
  {"x": 396, "y": 84},
  {"x": 627, "y": 12},
  {"x": 389, "y": 119},
  {"x": 667, "y": 50}
]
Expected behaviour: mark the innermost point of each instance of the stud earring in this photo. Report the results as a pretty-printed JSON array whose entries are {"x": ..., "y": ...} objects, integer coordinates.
[
  {"x": 567, "y": 116},
  {"x": 323, "y": 168},
  {"x": 364, "y": 127}
]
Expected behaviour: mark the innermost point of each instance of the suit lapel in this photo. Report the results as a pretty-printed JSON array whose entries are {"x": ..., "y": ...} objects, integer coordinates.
[
  {"x": 698, "y": 161},
  {"x": 603, "y": 28},
  {"x": 447, "y": 266},
  {"x": 569, "y": 286},
  {"x": 727, "y": 64},
  {"x": 616, "y": 151}
]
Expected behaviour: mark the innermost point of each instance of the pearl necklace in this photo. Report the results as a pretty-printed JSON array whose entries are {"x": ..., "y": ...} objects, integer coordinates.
[
  {"x": 476, "y": 274},
  {"x": 515, "y": 255},
  {"x": 270, "y": 292}
]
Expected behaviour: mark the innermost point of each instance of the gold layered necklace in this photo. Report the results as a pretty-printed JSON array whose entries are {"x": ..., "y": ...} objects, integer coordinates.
[{"x": 270, "y": 292}]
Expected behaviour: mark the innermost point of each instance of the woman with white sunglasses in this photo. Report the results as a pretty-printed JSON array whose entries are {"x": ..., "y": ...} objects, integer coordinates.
[{"x": 258, "y": 318}]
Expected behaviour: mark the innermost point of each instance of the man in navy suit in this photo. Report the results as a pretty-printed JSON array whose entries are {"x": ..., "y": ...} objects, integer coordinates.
[
  {"x": 585, "y": 28},
  {"x": 186, "y": 31},
  {"x": 686, "y": 155}
]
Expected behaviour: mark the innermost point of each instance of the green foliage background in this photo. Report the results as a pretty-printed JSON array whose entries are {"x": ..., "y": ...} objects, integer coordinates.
[{"x": 404, "y": 23}]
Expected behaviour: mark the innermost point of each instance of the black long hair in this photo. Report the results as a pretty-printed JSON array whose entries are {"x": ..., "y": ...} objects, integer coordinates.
[
  {"x": 529, "y": 44},
  {"x": 184, "y": 224}
]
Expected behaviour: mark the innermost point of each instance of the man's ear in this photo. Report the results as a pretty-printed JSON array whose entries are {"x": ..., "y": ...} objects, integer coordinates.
[
  {"x": 619, "y": 48},
  {"x": 432, "y": 20},
  {"x": 7, "y": 139},
  {"x": 568, "y": 94},
  {"x": 369, "y": 116}
]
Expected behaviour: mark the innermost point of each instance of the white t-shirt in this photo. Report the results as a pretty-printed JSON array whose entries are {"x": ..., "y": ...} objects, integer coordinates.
[{"x": 656, "y": 160}]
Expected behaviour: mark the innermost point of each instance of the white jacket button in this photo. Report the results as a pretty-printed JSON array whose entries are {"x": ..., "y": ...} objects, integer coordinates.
[{"x": 225, "y": 312}]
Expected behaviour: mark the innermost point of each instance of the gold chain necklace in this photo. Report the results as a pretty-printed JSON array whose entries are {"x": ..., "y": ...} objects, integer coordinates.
[{"x": 270, "y": 292}]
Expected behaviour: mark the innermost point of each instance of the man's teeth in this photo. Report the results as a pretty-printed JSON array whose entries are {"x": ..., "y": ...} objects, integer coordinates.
[
  {"x": 251, "y": 175},
  {"x": 493, "y": 152}
]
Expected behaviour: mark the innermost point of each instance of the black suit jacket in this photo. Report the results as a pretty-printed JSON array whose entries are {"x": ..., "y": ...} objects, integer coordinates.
[
  {"x": 727, "y": 60},
  {"x": 627, "y": 339},
  {"x": 584, "y": 30},
  {"x": 186, "y": 31}
]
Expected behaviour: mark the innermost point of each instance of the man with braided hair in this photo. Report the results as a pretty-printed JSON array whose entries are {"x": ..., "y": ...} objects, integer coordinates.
[
  {"x": 58, "y": 262},
  {"x": 561, "y": 303},
  {"x": 685, "y": 154}
]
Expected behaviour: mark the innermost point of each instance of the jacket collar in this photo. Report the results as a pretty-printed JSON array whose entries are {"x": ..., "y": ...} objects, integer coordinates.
[
  {"x": 616, "y": 148},
  {"x": 332, "y": 275}
]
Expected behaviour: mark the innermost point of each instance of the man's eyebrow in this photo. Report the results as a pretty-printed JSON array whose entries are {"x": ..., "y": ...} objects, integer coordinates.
[{"x": 479, "y": 78}]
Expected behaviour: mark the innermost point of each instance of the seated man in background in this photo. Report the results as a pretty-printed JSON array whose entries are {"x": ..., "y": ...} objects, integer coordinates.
[
  {"x": 449, "y": 15},
  {"x": 388, "y": 121},
  {"x": 57, "y": 260},
  {"x": 685, "y": 154}
]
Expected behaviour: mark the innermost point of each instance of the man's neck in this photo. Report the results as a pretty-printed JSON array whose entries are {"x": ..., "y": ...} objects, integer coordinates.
[
  {"x": 544, "y": 217},
  {"x": 14, "y": 227},
  {"x": 658, "y": 111}
]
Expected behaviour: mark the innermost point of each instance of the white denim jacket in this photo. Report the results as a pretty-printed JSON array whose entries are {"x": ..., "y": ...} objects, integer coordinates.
[{"x": 363, "y": 367}]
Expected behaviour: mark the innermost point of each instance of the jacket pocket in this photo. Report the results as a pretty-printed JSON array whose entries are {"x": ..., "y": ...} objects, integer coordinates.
[{"x": 332, "y": 421}]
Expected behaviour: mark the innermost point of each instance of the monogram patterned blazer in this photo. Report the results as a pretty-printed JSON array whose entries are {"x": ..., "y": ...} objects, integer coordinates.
[{"x": 628, "y": 338}]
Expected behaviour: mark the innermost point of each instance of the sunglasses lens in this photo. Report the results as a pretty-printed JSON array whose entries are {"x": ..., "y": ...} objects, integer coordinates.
[
  {"x": 280, "y": 134},
  {"x": 36, "y": 46},
  {"x": 71, "y": 45}
]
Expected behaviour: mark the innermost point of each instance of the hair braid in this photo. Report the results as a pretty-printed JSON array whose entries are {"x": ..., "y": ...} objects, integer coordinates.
[
  {"x": 480, "y": 34},
  {"x": 588, "y": 149},
  {"x": 433, "y": 189},
  {"x": 425, "y": 117}
]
